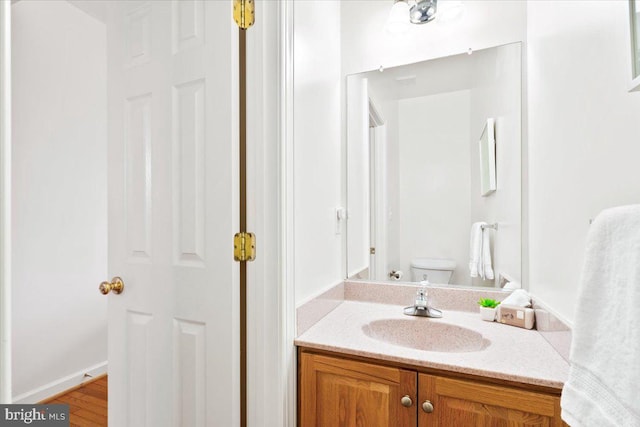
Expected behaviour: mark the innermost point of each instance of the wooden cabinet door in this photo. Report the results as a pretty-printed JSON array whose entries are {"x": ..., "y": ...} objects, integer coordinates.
[
  {"x": 345, "y": 393},
  {"x": 463, "y": 403}
]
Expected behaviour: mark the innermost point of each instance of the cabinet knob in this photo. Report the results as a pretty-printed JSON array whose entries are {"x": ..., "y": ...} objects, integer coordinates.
[
  {"x": 427, "y": 406},
  {"x": 406, "y": 401}
]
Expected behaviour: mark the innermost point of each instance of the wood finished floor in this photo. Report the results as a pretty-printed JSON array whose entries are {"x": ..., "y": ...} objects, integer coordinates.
[{"x": 87, "y": 404}]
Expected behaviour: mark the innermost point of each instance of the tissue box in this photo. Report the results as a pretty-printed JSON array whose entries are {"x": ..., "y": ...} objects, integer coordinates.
[{"x": 516, "y": 316}]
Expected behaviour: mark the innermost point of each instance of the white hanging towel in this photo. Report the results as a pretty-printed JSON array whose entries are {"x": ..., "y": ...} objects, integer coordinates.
[
  {"x": 475, "y": 249},
  {"x": 604, "y": 378},
  {"x": 487, "y": 267},
  {"x": 480, "y": 252}
]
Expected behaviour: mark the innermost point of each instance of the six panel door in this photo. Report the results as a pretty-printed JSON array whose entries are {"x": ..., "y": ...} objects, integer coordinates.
[{"x": 173, "y": 209}]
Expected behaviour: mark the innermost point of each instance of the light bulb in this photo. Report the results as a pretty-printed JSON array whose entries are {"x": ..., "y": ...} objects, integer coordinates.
[{"x": 398, "y": 22}]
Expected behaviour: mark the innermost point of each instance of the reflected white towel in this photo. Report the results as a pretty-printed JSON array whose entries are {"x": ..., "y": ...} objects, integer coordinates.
[
  {"x": 475, "y": 249},
  {"x": 604, "y": 379},
  {"x": 480, "y": 252},
  {"x": 487, "y": 268}
]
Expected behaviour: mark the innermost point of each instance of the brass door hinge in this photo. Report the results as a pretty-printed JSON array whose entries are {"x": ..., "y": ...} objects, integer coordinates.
[
  {"x": 372, "y": 251},
  {"x": 244, "y": 13},
  {"x": 244, "y": 247}
]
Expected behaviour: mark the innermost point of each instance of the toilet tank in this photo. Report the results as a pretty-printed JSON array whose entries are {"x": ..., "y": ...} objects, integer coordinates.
[{"x": 437, "y": 271}]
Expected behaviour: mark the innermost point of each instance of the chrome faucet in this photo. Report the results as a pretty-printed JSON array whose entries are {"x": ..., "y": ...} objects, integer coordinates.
[{"x": 421, "y": 305}]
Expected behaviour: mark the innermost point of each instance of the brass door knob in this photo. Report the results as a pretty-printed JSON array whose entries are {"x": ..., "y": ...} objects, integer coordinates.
[
  {"x": 116, "y": 285},
  {"x": 406, "y": 401},
  {"x": 427, "y": 406}
]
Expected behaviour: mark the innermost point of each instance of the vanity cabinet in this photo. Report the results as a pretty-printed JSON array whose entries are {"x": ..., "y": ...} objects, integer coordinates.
[
  {"x": 339, "y": 391},
  {"x": 342, "y": 392}
]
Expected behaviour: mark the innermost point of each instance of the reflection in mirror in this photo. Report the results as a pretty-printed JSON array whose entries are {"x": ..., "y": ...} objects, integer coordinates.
[
  {"x": 487, "y": 151},
  {"x": 634, "y": 12},
  {"x": 414, "y": 195}
]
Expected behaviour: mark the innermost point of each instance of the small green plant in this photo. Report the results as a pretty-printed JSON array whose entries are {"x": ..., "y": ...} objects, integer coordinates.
[{"x": 488, "y": 302}]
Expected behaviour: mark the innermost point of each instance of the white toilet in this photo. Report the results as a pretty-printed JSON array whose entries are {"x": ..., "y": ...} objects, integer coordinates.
[{"x": 437, "y": 271}]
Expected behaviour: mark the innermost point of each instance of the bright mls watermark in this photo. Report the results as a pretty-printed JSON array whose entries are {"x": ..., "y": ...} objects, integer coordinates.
[{"x": 34, "y": 415}]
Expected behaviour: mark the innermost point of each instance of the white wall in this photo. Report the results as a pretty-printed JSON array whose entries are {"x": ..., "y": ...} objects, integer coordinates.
[
  {"x": 496, "y": 94},
  {"x": 317, "y": 147},
  {"x": 584, "y": 133},
  {"x": 434, "y": 174},
  {"x": 59, "y": 194}
]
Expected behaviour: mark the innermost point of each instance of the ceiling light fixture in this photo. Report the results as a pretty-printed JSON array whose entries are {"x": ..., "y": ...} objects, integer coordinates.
[
  {"x": 423, "y": 11},
  {"x": 404, "y": 12}
]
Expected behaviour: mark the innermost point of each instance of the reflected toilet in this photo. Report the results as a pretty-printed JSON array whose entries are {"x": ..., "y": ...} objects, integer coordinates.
[{"x": 436, "y": 271}]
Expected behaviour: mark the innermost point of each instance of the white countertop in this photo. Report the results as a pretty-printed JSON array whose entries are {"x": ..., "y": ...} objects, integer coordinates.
[{"x": 512, "y": 354}]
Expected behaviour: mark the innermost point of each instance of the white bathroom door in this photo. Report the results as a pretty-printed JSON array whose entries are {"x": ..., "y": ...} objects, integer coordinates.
[{"x": 173, "y": 209}]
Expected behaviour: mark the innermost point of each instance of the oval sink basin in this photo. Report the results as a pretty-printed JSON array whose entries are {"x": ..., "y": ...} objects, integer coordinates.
[{"x": 425, "y": 334}]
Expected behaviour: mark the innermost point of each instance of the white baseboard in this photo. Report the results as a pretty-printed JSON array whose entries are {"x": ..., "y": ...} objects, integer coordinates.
[{"x": 58, "y": 386}]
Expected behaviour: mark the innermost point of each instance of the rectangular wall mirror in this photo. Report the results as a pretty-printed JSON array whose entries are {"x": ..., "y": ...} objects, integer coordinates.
[{"x": 413, "y": 169}]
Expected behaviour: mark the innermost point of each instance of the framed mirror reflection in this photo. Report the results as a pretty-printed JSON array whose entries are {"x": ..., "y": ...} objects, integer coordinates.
[{"x": 416, "y": 209}]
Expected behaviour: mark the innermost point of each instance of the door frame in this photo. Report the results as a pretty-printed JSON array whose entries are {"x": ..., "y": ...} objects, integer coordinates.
[
  {"x": 270, "y": 278},
  {"x": 5, "y": 201},
  {"x": 378, "y": 174},
  {"x": 373, "y": 214},
  {"x": 270, "y": 148}
]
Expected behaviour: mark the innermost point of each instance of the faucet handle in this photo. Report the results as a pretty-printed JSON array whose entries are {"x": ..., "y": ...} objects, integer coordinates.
[
  {"x": 422, "y": 292},
  {"x": 421, "y": 297}
]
